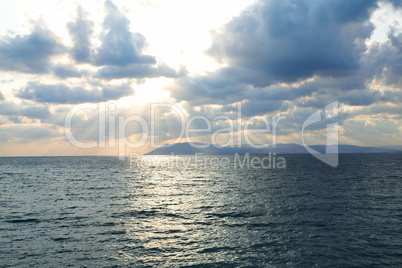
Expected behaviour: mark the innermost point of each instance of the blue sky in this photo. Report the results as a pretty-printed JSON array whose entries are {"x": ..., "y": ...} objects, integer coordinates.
[{"x": 273, "y": 58}]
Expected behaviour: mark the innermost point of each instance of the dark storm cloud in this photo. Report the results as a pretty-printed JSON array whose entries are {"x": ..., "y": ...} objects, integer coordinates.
[
  {"x": 274, "y": 44},
  {"x": 81, "y": 31},
  {"x": 120, "y": 46},
  {"x": 64, "y": 94},
  {"x": 284, "y": 41},
  {"x": 29, "y": 53}
]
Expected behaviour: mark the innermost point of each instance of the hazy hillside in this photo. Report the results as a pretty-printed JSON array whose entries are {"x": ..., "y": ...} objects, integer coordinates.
[{"x": 292, "y": 148}]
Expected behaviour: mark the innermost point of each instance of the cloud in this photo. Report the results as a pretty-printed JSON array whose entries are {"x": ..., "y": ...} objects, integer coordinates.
[
  {"x": 273, "y": 44},
  {"x": 288, "y": 57},
  {"x": 284, "y": 41},
  {"x": 360, "y": 97},
  {"x": 27, "y": 109},
  {"x": 136, "y": 71},
  {"x": 302, "y": 53},
  {"x": 221, "y": 87},
  {"x": 26, "y": 132},
  {"x": 391, "y": 59},
  {"x": 65, "y": 94},
  {"x": 66, "y": 71},
  {"x": 396, "y": 3},
  {"x": 295, "y": 57},
  {"x": 30, "y": 53},
  {"x": 378, "y": 128},
  {"x": 212, "y": 88},
  {"x": 81, "y": 31},
  {"x": 378, "y": 110},
  {"x": 119, "y": 55},
  {"x": 120, "y": 46},
  {"x": 252, "y": 108}
]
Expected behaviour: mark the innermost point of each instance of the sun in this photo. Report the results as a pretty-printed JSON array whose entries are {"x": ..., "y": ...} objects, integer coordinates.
[{"x": 152, "y": 91}]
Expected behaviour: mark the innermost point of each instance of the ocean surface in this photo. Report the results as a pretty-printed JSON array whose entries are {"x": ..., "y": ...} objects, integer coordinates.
[{"x": 213, "y": 212}]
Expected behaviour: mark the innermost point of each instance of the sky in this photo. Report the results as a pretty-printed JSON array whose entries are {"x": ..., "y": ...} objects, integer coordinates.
[{"x": 92, "y": 77}]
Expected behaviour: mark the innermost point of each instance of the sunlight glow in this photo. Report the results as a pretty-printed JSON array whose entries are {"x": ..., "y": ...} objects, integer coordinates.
[{"x": 150, "y": 91}]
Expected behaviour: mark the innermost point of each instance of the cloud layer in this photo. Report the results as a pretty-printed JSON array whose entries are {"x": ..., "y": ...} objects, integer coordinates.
[
  {"x": 120, "y": 55},
  {"x": 291, "y": 57},
  {"x": 277, "y": 57},
  {"x": 30, "y": 53}
]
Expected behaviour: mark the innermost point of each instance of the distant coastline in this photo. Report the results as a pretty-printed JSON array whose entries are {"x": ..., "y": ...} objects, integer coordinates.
[{"x": 291, "y": 148}]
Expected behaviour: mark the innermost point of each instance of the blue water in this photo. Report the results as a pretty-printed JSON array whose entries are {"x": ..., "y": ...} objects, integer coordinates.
[{"x": 102, "y": 212}]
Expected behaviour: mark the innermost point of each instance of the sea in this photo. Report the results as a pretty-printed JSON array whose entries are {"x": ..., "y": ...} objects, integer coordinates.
[{"x": 213, "y": 211}]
